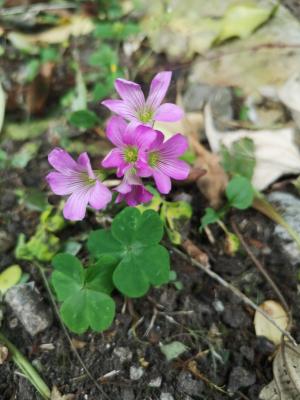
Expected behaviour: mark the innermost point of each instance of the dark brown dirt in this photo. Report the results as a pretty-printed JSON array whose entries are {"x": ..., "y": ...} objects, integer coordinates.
[{"x": 215, "y": 326}]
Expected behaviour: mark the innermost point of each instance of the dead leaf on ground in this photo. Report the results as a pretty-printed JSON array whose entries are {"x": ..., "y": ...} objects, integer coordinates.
[
  {"x": 267, "y": 58},
  {"x": 3, "y": 354},
  {"x": 263, "y": 327},
  {"x": 286, "y": 371},
  {"x": 77, "y": 25},
  {"x": 183, "y": 28},
  {"x": 78, "y": 344},
  {"x": 195, "y": 252},
  {"x": 276, "y": 153},
  {"x": 55, "y": 395}
]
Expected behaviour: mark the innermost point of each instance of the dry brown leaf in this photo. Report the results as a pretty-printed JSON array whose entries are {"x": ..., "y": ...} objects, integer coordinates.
[
  {"x": 3, "y": 354},
  {"x": 276, "y": 153},
  {"x": 286, "y": 371},
  {"x": 78, "y": 344},
  {"x": 263, "y": 327},
  {"x": 195, "y": 252},
  {"x": 77, "y": 25}
]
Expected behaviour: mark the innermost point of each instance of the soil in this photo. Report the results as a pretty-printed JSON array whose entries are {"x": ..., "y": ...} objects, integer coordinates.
[
  {"x": 223, "y": 353},
  {"x": 224, "y": 358}
]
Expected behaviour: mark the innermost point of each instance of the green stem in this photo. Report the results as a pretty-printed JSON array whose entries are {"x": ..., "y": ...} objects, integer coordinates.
[
  {"x": 261, "y": 204},
  {"x": 24, "y": 365}
]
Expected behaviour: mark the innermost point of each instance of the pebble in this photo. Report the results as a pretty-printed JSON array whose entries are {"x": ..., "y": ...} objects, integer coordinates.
[
  {"x": 28, "y": 306},
  {"x": 123, "y": 353},
  {"x": 187, "y": 385},
  {"x": 289, "y": 207},
  {"x": 156, "y": 382},
  {"x": 166, "y": 396},
  {"x": 136, "y": 373},
  {"x": 240, "y": 377}
]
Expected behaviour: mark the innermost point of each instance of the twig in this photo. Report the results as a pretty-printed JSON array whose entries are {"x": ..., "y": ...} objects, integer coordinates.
[
  {"x": 234, "y": 290},
  {"x": 44, "y": 278},
  {"x": 262, "y": 270}
]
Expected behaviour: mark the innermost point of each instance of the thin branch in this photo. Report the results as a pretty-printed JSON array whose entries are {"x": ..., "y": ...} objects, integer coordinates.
[
  {"x": 234, "y": 290},
  {"x": 262, "y": 270}
]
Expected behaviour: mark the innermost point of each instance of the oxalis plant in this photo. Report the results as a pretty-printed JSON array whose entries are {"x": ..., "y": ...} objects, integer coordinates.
[{"x": 127, "y": 257}]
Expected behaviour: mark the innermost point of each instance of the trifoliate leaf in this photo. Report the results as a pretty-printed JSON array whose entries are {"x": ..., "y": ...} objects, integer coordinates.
[
  {"x": 84, "y": 292},
  {"x": 84, "y": 119},
  {"x": 133, "y": 241},
  {"x": 239, "y": 192},
  {"x": 240, "y": 158},
  {"x": 9, "y": 277},
  {"x": 210, "y": 217}
]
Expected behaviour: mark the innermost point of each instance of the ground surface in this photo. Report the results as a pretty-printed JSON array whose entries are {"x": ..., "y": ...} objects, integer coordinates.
[
  {"x": 224, "y": 358},
  {"x": 215, "y": 326}
]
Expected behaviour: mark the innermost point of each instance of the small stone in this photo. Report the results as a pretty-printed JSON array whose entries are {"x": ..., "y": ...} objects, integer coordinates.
[
  {"x": 155, "y": 383},
  {"x": 28, "y": 306},
  {"x": 218, "y": 306},
  {"x": 123, "y": 353},
  {"x": 136, "y": 373},
  {"x": 13, "y": 323},
  {"x": 235, "y": 317},
  {"x": 188, "y": 385},
  {"x": 166, "y": 396},
  {"x": 289, "y": 207},
  {"x": 240, "y": 377}
]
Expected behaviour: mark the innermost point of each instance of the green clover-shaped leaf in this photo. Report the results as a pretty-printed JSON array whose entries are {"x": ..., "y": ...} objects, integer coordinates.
[
  {"x": 133, "y": 241},
  {"x": 84, "y": 292}
]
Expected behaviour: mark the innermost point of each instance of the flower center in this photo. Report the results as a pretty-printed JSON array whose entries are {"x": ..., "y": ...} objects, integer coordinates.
[
  {"x": 131, "y": 154},
  {"x": 87, "y": 180},
  {"x": 146, "y": 116},
  {"x": 153, "y": 158}
]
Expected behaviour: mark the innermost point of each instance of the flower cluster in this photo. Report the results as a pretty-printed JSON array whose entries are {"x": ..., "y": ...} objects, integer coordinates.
[{"x": 140, "y": 152}]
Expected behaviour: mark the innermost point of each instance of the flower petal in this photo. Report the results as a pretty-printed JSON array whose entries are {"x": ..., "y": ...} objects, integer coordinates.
[
  {"x": 176, "y": 169},
  {"x": 144, "y": 136},
  {"x": 162, "y": 181},
  {"x": 60, "y": 184},
  {"x": 84, "y": 161},
  {"x": 121, "y": 108},
  {"x": 138, "y": 195},
  {"x": 62, "y": 161},
  {"x": 75, "y": 207},
  {"x": 99, "y": 196},
  {"x": 156, "y": 144},
  {"x": 174, "y": 147},
  {"x": 131, "y": 93},
  {"x": 113, "y": 159},
  {"x": 168, "y": 112},
  {"x": 115, "y": 129},
  {"x": 158, "y": 89}
]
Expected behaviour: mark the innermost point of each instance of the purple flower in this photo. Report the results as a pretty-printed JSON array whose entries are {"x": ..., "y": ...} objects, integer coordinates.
[
  {"x": 163, "y": 163},
  {"x": 132, "y": 190},
  {"x": 136, "y": 109},
  {"x": 131, "y": 144},
  {"x": 77, "y": 179}
]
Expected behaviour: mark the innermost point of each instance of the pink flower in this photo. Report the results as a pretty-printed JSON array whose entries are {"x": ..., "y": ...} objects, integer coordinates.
[
  {"x": 133, "y": 106},
  {"x": 132, "y": 190},
  {"x": 131, "y": 144},
  {"x": 78, "y": 180},
  {"x": 163, "y": 163}
]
